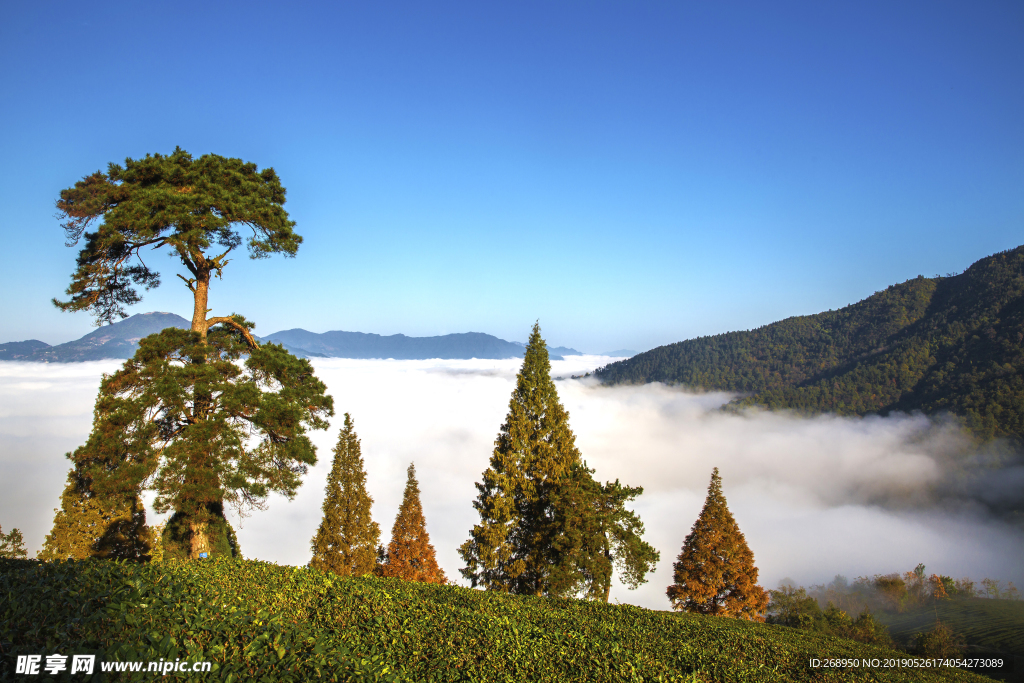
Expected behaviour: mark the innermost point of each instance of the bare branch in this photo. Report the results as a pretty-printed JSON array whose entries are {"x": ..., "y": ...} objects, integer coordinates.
[{"x": 189, "y": 282}]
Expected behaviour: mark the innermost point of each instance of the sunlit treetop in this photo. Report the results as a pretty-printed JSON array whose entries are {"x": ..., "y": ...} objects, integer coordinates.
[{"x": 197, "y": 207}]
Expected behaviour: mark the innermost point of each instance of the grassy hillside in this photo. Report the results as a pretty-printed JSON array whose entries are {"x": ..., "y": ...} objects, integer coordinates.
[
  {"x": 996, "y": 625},
  {"x": 929, "y": 344},
  {"x": 259, "y": 621}
]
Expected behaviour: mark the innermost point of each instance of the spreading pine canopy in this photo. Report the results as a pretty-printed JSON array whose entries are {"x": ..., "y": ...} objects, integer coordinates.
[
  {"x": 205, "y": 433},
  {"x": 187, "y": 205}
]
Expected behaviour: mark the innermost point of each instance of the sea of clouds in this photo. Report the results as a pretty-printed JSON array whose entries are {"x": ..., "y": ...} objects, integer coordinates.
[{"x": 815, "y": 497}]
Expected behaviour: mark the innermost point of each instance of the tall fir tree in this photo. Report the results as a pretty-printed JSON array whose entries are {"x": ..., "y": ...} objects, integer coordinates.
[
  {"x": 347, "y": 539},
  {"x": 546, "y": 527},
  {"x": 410, "y": 555},
  {"x": 715, "y": 572}
]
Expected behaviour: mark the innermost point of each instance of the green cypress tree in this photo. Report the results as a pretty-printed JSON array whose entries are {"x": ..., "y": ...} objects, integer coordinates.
[
  {"x": 91, "y": 524},
  {"x": 347, "y": 539},
  {"x": 546, "y": 527},
  {"x": 513, "y": 547},
  {"x": 715, "y": 572}
]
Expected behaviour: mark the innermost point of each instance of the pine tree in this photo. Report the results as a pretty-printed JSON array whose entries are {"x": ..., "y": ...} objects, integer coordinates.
[
  {"x": 546, "y": 527},
  {"x": 347, "y": 539},
  {"x": 715, "y": 572},
  {"x": 209, "y": 416},
  {"x": 410, "y": 555}
]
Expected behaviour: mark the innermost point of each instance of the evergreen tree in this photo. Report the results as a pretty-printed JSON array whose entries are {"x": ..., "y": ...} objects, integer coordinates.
[
  {"x": 93, "y": 525},
  {"x": 181, "y": 415},
  {"x": 199, "y": 434},
  {"x": 347, "y": 539},
  {"x": 546, "y": 527},
  {"x": 12, "y": 545},
  {"x": 715, "y": 572},
  {"x": 410, "y": 555},
  {"x": 597, "y": 535}
]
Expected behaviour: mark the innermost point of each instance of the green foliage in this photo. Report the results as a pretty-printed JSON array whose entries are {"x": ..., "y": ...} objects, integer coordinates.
[
  {"x": 186, "y": 418},
  {"x": 346, "y": 540},
  {"x": 183, "y": 416},
  {"x": 715, "y": 572},
  {"x": 906, "y": 608},
  {"x": 598, "y": 535},
  {"x": 993, "y": 625},
  {"x": 791, "y": 606},
  {"x": 110, "y": 525},
  {"x": 941, "y": 641},
  {"x": 188, "y": 205},
  {"x": 12, "y": 545},
  {"x": 929, "y": 344},
  {"x": 260, "y": 622},
  {"x": 513, "y": 547},
  {"x": 546, "y": 527}
]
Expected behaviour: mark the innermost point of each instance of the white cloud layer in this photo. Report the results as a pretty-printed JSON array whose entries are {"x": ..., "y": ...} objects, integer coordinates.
[{"x": 814, "y": 496}]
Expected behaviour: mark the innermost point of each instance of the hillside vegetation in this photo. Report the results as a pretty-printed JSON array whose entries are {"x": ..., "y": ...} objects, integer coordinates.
[
  {"x": 930, "y": 344},
  {"x": 986, "y": 624},
  {"x": 262, "y": 622}
]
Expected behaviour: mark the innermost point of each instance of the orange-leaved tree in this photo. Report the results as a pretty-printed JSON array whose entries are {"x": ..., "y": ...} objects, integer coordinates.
[
  {"x": 715, "y": 572},
  {"x": 410, "y": 555}
]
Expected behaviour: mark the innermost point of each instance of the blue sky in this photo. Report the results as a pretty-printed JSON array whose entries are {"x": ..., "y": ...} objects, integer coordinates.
[{"x": 632, "y": 174}]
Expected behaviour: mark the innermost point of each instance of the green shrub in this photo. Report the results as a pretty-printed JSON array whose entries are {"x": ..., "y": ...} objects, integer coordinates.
[{"x": 257, "y": 621}]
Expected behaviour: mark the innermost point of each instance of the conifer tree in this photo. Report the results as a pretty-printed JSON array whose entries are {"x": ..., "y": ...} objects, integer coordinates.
[
  {"x": 12, "y": 545},
  {"x": 715, "y": 572},
  {"x": 94, "y": 525},
  {"x": 546, "y": 527},
  {"x": 410, "y": 555},
  {"x": 185, "y": 417},
  {"x": 598, "y": 535},
  {"x": 347, "y": 539}
]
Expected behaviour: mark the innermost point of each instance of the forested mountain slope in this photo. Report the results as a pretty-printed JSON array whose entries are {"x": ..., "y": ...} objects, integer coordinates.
[{"x": 930, "y": 344}]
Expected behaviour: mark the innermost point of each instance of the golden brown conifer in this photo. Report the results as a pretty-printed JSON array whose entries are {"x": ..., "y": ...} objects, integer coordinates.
[
  {"x": 715, "y": 572},
  {"x": 410, "y": 555}
]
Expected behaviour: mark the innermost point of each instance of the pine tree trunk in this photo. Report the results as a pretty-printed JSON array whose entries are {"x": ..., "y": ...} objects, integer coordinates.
[
  {"x": 202, "y": 296},
  {"x": 608, "y": 557},
  {"x": 200, "y": 541}
]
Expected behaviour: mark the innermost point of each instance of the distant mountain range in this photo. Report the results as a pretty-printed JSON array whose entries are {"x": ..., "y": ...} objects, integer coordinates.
[
  {"x": 930, "y": 344},
  {"x": 121, "y": 339}
]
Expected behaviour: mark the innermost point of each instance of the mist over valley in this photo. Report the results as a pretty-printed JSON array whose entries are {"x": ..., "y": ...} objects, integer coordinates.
[{"x": 815, "y": 496}]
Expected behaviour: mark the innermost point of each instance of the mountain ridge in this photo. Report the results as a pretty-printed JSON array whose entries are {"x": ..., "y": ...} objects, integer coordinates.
[
  {"x": 120, "y": 340},
  {"x": 930, "y": 344}
]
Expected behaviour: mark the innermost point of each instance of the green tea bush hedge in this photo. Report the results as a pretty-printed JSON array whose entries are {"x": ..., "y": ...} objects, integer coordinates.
[{"x": 257, "y": 621}]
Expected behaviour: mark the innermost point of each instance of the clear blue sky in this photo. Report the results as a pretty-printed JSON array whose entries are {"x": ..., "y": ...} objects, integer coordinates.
[{"x": 631, "y": 174}]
